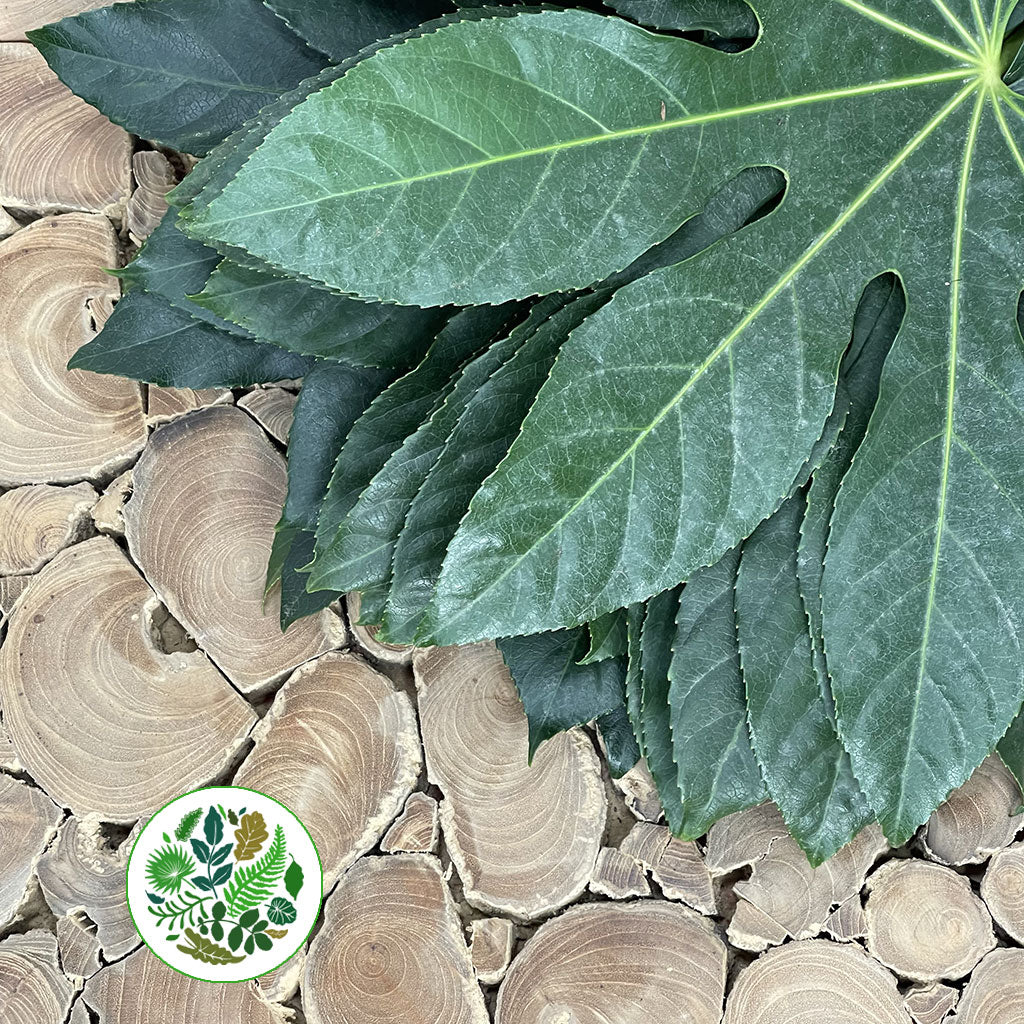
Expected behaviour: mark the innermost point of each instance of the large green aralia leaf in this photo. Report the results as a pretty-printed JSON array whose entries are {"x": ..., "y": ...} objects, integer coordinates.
[
  {"x": 733, "y": 19},
  {"x": 184, "y": 72},
  {"x": 332, "y": 398},
  {"x": 634, "y": 673},
  {"x": 147, "y": 338},
  {"x": 608, "y": 637},
  {"x": 314, "y": 322},
  {"x": 716, "y": 768},
  {"x": 1011, "y": 749},
  {"x": 557, "y": 693},
  {"x": 620, "y": 746},
  {"x": 789, "y": 701},
  {"x": 341, "y": 28}
]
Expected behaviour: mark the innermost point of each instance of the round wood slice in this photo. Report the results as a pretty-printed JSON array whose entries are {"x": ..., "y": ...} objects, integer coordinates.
[
  {"x": 606, "y": 963},
  {"x": 28, "y": 821},
  {"x": 1002, "y": 889},
  {"x": 273, "y": 409},
  {"x": 366, "y": 637},
  {"x": 753, "y": 930},
  {"x": 17, "y": 16},
  {"x": 166, "y": 404},
  {"x": 416, "y": 829},
  {"x": 741, "y": 839},
  {"x": 523, "y": 838},
  {"x": 78, "y": 946},
  {"x": 995, "y": 993},
  {"x": 924, "y": 922},
  {"x": 207, "y": 493},
  {"x": 38, "y": 521},
  {"x": 931, "y": 1004},
  {"x": 142, "y": 990},
  {"x": 107, "y": 514},
  {"x": 340, "y": 748},
  {"x": 59, "y": 153},
  {"x": 104, "y": 721},
  {"x": 8, "y": 225},
  {"x": 79, "y": 871},
  {"x": 978, "y": 819},
  {"x": 33, "y": 990},
  {"x": 391, "y": 950},
  {"x": 490, "y": 948},
  {"x": 154, "y": 178},
  {"x": 619, "y": 876},
  {"x": 815, "y": 981},
  {"x": 58, "y": 426}
]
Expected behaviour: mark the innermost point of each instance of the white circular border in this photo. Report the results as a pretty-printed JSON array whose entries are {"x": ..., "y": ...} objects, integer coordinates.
[{"x": 298, "y": 844}]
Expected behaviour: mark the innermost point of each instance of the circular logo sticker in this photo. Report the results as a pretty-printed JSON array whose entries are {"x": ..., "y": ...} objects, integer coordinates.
[{"x": 224, "y": 884}]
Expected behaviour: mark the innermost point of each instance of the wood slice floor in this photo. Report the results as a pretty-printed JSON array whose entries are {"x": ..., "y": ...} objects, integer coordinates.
[{"x": 462, "y": 886}]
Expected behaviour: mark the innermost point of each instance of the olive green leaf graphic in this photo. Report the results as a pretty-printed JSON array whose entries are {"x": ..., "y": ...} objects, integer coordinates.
[
  {"x": 251, "y": 835},
  {"x": 168, "y": 868},
  {"x": 293, "y": 878},
  {"x": 254, "y": 883},
  {"x": 281, "y": 911},
  {"x": 277, "y": 933},
  {"x": 207, "y": 951},
  {"x": 187, "y": 825}
]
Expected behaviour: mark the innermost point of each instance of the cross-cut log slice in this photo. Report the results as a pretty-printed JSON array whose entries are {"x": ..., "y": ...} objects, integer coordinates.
[
  {"x": 142, "y": 990},
  {"x": 104, "y": 721},
  {"x": 8, "y": 225},
  {"x": 677, "y": 866},
  {"x": 208, "y": 490},
  {"x": 815, "y": 980},
  {"x": 339, "y": 747},
  {"x": 523, "y": 838},
  {"x": 847, "y": 922},
  {"x": 490, "y": 948},
  {"x": 166, "y": 404},
  {"x": 924, "y": 922},
  {"x": 59, "y": 153},
  {"x": 28, "y": 821},
  {"x": 1002, "y": 889},
  {"x": 619, "y": 876},
  {"x": 281, "y": 984},
  {"x": 640, "y": 793},
  {"x": 931, "y": 1004},
  {"x": 273, "y": 409},
  {"x": 753, "y": 930},
  {"x": 995, "y": 993},
  {"x": 416, "y": 830},
  {"x": 799, "y": 898},
  {"x": 366, "y": 637},
  {"x": 978, "y": 818},
  {"x": 80, "y": 871},
  {"x": 33, "y": 990},
  {"x": 18, "y": 16},
  {"x": 78, "y": 946},
  {"x": 743, "y": 838},
  {"x": 107, "y": 513},
  {"x": 8, "y": 756},
  {"x": 38, "y": 521},
  {"x": 154, "y": 178},
  {"x": 56, "y": 426},
  {"x": 631, "y": 964},
  {"x": 391, "y": 949}
]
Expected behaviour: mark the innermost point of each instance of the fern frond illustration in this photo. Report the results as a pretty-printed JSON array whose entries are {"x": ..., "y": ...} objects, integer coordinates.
[
  {"x": 168, "y": 867},
  {"x": 175, "y": 913},
  {"x": 254, "y": 883},
  {"x": 187, "y": 825}
]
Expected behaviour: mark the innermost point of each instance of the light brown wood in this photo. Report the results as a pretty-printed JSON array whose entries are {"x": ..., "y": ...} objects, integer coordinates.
[
  {"x": 32, "y": 988},
  {"x": 1002, "y": 889},
  {"x": 17, "y": 16},
  {"x": 753, "y": 930},
  {"x": 924, "y": 922},
  {"x": 142, "y": 990},
  {"x": 799, "y": 898},
  {"x": 154, "y": 178},
  {"x": 490, "y": 948},
  {"x": 273, "y": 409},
  {"x": 815, "y": 981},
  {"x": 79, "y": 871},
  {"x": 366, "y": 637},
  {"x": 391, "y": 949},
  {"x": 622, "y": 963},
  {"x": 640, "y": 793},
  {"x": 39, "y": 520},
  {"x": 8, "y": 225},
  {"x": 281, "y": 985},
  {"x": 741, "y": 839},
  {"x": 618, "y": 876},
  {"x": 416, "y": 830},
  {"x": 103, "y": 720},
  {"x": 58, "y": 426},
  {"x": 78, "y": 946},
  {"x": 107, "y": 513},
  {"x": 646, "y": 842},
  {"x": 28, "y": 821},
  {"x": 339, "y": 747},
  {"x": 930, "y": 1004},
  {"x": 11, "y": 588},
  {"x": 682, "y": 875},
  {"x": 59, "y": 153},
  {"x": 848, "y": 923},
  {"x": 523, "y": 838},
  {"x": 166, "y": 404},
  {"x": 995, "y": 993},
  {"x": 208, "y": 491},
  {"x": 978, "y": 818},
  {"x": 8, "y": 756}
]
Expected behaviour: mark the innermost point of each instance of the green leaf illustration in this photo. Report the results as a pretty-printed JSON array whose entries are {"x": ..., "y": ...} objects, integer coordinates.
[
  {"x": 263, "y": 940},
  {"x": 253, "y": 883},
  {"x": 250, "y": 836},
  {"x": 213, "y": 827},
  {"x": 235, "y": 937},
  {"x": 187, "y": 825},
  {"x": 168, "y": 867},
  {"x": 281, "y": 911},
  {"x": 208, "y": 951},
  {"x": 293, "y": 879}
]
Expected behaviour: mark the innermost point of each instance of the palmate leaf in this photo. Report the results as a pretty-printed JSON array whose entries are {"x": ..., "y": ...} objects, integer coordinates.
[
  {"x": 228, "y": 59},
  {"x": 621, "y": 748},
  {"x": 607, "y": 637},
  {"x": 733, "y": 19}
]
